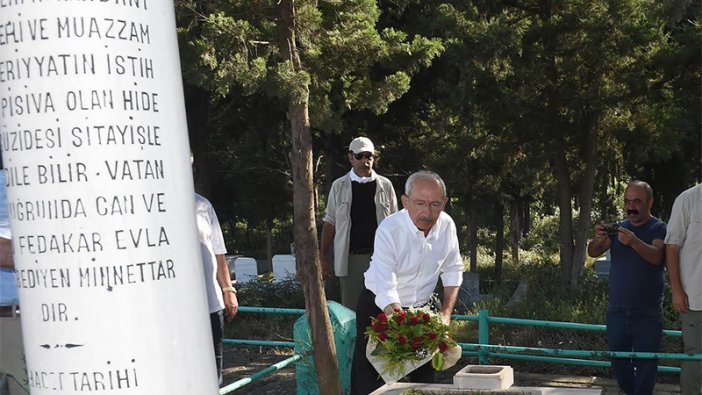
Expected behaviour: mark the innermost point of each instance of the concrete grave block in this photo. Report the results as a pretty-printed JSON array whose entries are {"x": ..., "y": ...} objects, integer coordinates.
[{"x": 484, "y": 377}]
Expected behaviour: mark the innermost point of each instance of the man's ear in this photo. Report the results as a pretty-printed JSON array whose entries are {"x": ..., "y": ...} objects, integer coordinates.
[{"x": 405, "y": 200}]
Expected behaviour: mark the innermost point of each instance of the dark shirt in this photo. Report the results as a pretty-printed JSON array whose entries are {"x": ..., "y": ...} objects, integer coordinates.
[
  {"x": 633, "y": 282},
  {"x": 363, "y": 219}
]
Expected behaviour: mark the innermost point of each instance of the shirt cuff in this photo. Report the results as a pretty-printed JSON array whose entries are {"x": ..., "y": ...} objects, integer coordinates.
[
  {"x": 452, "y": 279},
  {"x": 674, "y": 240},
  {"x": 386, "y": 298}
]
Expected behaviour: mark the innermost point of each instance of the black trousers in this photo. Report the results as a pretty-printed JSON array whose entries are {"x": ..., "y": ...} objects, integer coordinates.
[
  {"x": 364, "y": 378},
  {"x": 217, "y": 324}
]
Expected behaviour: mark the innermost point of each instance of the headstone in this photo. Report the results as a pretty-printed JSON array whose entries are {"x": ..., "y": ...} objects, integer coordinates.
[
  {"x": 602, "y": 266},
  {"x": 283, "y": 267},
  {"x": 245, "y": 269},
  {"x": 469, "y": 292},
  {"x": 343, "y": 322}
]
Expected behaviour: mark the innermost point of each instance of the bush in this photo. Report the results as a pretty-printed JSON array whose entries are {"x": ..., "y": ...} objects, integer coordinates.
[{"x": 263, "y": 292}]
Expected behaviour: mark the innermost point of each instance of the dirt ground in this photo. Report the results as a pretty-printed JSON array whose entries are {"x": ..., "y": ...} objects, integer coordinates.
[{"x": 242, "y": 362}]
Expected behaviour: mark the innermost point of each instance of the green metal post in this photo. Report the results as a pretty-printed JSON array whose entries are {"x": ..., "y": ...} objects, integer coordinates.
[{"x": 483, "y": 334}]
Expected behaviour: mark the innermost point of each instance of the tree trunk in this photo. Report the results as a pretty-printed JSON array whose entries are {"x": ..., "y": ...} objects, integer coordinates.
[
  {"x": 499, "y": 241},
  {"x": 565, "y": 218},
  {"x": 587, "y": 187},
  {"x": 307, "y": 251},
  {"x": 526, "y": 217},
  {"x": 269, "y": 240},
  {"x": 473, "y": 235},
  {"x": 515, "y": 231}
]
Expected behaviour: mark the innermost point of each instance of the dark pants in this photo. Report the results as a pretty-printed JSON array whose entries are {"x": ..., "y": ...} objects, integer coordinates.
[
  {"x": 217, "y": 323},
  {"x": 637, "y": 330},
  {"x": 364, "y": 378}
]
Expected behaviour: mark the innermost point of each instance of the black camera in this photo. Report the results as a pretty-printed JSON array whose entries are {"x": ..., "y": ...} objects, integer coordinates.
[{"x": 612, "y": 228}]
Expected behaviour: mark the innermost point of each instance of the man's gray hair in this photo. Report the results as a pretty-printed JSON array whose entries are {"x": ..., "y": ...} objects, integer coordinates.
[{"x": 424, "y": 174}]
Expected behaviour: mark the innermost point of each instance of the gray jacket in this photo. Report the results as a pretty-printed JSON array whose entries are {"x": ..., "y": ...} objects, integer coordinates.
[{"x": 338, "y": 213}]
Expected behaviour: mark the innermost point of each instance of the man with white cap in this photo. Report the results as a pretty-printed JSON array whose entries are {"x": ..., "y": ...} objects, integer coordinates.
[{"x": 357, "y": 202}]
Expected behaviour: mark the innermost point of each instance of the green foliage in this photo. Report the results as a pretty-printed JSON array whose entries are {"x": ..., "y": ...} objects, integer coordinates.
[
  {"x": 543, "y": 236},
  {"x": 289, "y": 84},
  {"x": 493, "y": 96},
  {"x": 286, "y": 293},
  {"x": 264, "y": 293}
]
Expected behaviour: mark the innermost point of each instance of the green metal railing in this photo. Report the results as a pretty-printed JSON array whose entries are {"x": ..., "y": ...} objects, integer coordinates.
[
  {"x": 269, "y": 343},
  {"x": 483, "y": 350}
]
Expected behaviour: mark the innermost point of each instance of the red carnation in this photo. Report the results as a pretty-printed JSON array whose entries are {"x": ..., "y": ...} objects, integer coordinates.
[
  {"x": 416, "y": 342},
  {"x": 431, "y": 335},
  {"x": 426, "y": 317},
  {"x": 400, "y": 318},
  {"x": 379, "y": 326},
  {"x": 414, "y": 320},
  {"x": 382, "y": 318},
  {"x": 443, "y": 347},
  {"x": 382, "y": 336},
  {"x": 402, "y": 339}
]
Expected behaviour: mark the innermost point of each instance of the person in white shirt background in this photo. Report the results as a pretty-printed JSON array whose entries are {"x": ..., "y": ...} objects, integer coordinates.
[{"x": 12, "y": 369}]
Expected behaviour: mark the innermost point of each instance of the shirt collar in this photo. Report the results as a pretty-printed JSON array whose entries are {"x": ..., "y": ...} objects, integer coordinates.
[{"x": 362, "y": 180}]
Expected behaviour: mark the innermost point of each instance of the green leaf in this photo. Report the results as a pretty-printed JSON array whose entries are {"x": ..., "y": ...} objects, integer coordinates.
[{"x": 437, "y": 362}]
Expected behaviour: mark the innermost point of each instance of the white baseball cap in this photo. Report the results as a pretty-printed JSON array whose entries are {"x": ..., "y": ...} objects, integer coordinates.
[{"x": 361, "y": 144}]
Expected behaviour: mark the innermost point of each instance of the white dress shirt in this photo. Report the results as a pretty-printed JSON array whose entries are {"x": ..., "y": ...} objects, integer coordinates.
[
  {"x": 406, "y": 265},
  {"x": 685, "y": 230},
  {"x": 211, "y": 245}
]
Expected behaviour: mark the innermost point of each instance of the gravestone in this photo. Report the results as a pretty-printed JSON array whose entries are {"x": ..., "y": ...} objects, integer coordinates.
[
  {"x": 283, "y": 267},
  {"x": 469, "y": 292},
  {"x": 245, "y": 269},
  {"x": 343, "y": 322}
]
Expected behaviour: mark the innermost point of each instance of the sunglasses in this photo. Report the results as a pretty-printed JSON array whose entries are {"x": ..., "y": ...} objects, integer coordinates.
[{"x": 362, "y": 155}]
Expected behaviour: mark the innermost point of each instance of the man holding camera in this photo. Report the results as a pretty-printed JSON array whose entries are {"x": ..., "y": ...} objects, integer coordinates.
[{"x": 634, "y": 313}]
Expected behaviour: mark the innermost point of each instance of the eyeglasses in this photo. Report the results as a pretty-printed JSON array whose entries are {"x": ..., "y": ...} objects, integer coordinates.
[
  {"x": 362, "y": 155},
  {"x": 422, "y": 205}
]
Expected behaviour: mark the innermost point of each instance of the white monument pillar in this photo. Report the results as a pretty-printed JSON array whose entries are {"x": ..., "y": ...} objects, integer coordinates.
[{"x": 94, "y": 142}]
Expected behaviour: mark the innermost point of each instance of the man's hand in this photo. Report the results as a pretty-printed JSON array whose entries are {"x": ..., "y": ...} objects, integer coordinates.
[
  {"x": 326, "y": 270},
  {"x": 392, "y": 308},
  {"x": 600, "y": 233},
  {"x": 231, "y": 305},
  {"x": 446, "y": 316},
  {"x": 626, "y": 237},
  {"x": 681, "y": 303}
]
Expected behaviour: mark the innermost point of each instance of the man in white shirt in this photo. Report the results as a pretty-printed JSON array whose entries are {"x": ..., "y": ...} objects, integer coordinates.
[
  {"x": 221, "y": 295},
  {"x": 683, "y": 256},
  {"x": 412, "y": 248}
]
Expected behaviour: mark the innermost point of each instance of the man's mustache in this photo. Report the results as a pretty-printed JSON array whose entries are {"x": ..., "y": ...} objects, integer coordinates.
[
  {"x": 632, "y": 211},
  {"x": 424, "y": 218}
]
